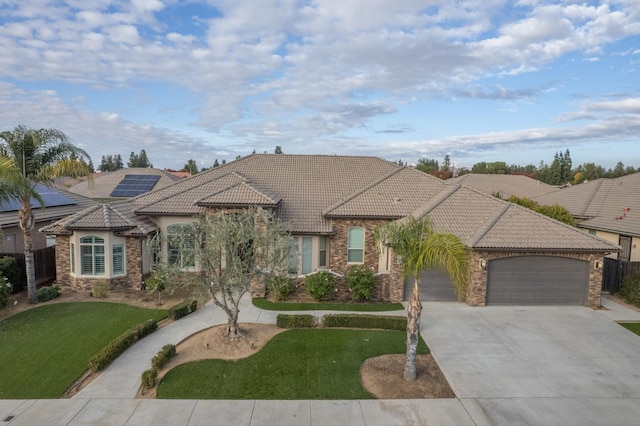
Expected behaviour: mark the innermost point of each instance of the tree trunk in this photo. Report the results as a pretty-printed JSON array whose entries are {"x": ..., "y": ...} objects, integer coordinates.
[
  {"x": 26, "y": 221},
  {"x": 413, "y": 332},
  {"x": 233, "y": 330}
]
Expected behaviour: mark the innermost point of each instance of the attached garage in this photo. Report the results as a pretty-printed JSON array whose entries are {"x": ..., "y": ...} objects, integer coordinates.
[
  {"x": 435, "y": 285},
  {"x": 537, "y": 280}
]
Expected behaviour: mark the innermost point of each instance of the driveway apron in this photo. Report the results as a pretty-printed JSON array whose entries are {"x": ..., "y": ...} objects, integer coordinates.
[{"x": 537, "y": 365}]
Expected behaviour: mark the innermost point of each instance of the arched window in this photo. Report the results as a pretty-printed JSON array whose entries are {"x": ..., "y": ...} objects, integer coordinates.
[
  {"x": 92, "y": 255},
  {"x": 355, "y": 245},
  {"x": 181, "y": 244}
]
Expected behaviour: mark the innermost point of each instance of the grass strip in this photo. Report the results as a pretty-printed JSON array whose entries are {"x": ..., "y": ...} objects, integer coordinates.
[{"x": 296, "y": 364}]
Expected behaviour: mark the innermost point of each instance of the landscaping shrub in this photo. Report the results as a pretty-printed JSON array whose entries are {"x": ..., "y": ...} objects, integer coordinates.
[
  {"x": 5, "y": 291},
  {"x": 48, "y": 293},
  {"x": 183, "y": 309},
  {"x": 295, "y": 321},
  {"x": 118, "y": 345},
  {"x": 146, "y": 328},
  {"x": 149, "y": 378},
  {"x": 365, "y": 321},
  {"x": 9, "y": 269},
  {"x": 100, "y": 289},
  {"x": 361, "y": 281},
  {"x": 280, "y": 287},
  {"x": 630, "y": 289},
  {"x": 161, "y": 358},
  {"x": 157, "y": 282},
  {"x": 320, "y": 285}
]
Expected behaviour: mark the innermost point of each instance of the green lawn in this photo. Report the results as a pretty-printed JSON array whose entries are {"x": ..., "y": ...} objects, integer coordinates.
[
  {"x": 356, "y": 307},
  {"x": 296, "y": 364},
  {"x": 45, "y": 349},
  {"x": 633, "y": 326}
]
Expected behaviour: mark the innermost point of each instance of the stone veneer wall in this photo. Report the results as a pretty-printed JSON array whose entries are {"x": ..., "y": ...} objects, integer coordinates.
[
  {"x": 476, "y": 294},
  {"x": 388, "y": 287},
  {"x": 133, "y": 257}
]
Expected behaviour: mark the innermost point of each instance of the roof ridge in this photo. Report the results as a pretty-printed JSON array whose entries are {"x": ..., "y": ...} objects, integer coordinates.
[
  {"x": 361, "y": 191},
  {"x": 436, "y": 200},
  {"x": 477, "y": 236},
  {"x": 109, "y": 211},
  {"x": 598, "y": 183},
  {"x": 204, "y": 182}
]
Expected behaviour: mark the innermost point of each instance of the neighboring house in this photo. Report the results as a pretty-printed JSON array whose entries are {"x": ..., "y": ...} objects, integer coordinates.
[
  {"x": 58, "y": 204},
  {"x": 331, "y": 205},
  {"x": 123, "y": 183},
  {"x": 607, "y": 208},
  {"x": 504, "y": 186}
]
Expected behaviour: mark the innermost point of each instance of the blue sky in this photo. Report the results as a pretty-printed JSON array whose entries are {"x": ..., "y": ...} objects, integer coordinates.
[{"x": 403, "y": 79}]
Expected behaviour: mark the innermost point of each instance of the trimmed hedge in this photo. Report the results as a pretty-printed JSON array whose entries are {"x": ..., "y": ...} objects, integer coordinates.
[
  {"x": 385, "y": 322},
  {"x": 295, "y": 321},
  {"x": 149, "y": 378},
  {"x": 47, "y": 293},
  {"x": 183, "y": 309},
  {"x": 161, "y": 358},
  {"x": 118, "y": 345},
  {"x": 100, "y": 289},
  {"x": 9, "y": 268}
]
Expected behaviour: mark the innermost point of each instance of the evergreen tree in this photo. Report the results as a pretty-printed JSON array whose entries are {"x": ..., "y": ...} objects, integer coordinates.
[
  {"x": 216, "y": 164},
  {"x": 90, "y": 166},
  {"x": 427, "y": 165},
  {"x": 191, "y": 167},
  {"x": 278, "y": 150},
  {"x": 446, "y": 164}
]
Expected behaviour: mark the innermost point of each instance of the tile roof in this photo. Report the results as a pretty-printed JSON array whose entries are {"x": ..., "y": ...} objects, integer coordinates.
[
  {"x": 611, "y": 205},
  {"x": 504, "y": 186},
  {"x": 309, "y": 190},
  {"x": 116, "y": 216},
  {"x": 392, "y": 196},
  {"x": 486, "y": 222},
  {"x": 306, "y": 185}
]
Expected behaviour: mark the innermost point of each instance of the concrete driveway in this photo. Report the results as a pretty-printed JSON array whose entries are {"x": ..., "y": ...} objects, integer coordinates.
[{"x": 536, "y": 365}]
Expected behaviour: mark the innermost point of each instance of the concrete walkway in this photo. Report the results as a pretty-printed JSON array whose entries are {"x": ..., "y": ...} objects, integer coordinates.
[{"x": 108, "y": 400}]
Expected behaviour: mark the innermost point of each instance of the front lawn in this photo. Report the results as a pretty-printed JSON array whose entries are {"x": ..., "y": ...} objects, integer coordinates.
[
  {"x": 296, "y": 364},
  {"x": 325, "y": 306},
  {"x": 45, "y": 349},
  {"x": 633, "y": 326}
]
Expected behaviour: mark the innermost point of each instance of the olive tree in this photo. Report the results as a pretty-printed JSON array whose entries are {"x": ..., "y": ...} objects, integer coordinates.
[{"x": 234, "y": 250}]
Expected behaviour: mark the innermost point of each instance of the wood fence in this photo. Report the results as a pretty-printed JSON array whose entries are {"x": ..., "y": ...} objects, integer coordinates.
[
  {"x": 45, "y": 264},
  {"x": 615, "y": 271}
]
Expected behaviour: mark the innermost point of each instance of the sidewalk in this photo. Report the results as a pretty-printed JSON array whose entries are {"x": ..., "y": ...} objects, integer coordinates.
[{"x": 122, "y": 378}]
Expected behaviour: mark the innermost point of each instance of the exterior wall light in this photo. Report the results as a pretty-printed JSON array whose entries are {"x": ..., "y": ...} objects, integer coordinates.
[
  {"x": 483, "y": 264},
  {"x": 597, "y": 265}
]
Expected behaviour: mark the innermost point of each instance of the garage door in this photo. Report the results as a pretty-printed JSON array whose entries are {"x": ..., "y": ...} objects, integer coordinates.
[
  {"x": 537, "y": 280},
  {"x": 434, "y": 285}
]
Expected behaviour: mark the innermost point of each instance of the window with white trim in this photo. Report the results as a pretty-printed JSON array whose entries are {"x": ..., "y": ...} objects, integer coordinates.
[
  {"x": 322, "y": 251},
  {"x": 117, "y": 259},
  {"x": 92, "y": 256},
  {"x": 355, "y": 245}
]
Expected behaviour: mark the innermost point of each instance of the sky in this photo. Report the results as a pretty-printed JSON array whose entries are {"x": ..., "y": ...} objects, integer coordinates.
[{"x": 478, "y": 80}]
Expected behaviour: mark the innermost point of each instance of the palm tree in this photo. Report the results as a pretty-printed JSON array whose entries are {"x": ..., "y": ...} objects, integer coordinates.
[
  {"x": 420, "y": 246},
  {"x": 29, "y": 157}
]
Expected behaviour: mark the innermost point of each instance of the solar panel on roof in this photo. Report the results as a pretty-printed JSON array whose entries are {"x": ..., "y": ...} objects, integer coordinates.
[
  {"x": 50, "y": 197},
  {"x": 133, "y": 185}
]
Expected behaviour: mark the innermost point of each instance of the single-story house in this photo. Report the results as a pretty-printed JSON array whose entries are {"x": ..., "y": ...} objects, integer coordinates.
[
  {"x": 504, "y": 186},
  {"x": 58, "y": 204},
  {"x": 331, "y": 205},
  {"x": 119, "y": 184},
  {"x": 607, "y": 208}
]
